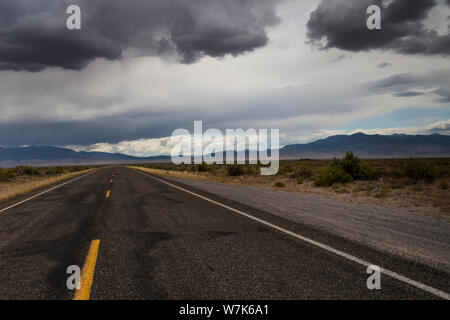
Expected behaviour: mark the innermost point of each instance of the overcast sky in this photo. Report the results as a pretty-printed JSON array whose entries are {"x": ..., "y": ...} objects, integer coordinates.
[{"x": 139, "y": 69}]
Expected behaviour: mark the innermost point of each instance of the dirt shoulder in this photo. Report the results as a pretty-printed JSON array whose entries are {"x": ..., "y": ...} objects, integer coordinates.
[{"x": 25, "y": 184}]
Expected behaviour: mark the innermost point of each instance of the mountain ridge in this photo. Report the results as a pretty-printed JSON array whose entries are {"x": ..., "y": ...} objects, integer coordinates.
[
  {"x": 363, "y": 145},
  {"x": 376, "y": 146}
]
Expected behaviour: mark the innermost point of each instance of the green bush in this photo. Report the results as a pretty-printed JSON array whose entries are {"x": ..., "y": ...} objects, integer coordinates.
[
  {"x": 78, "y": 168},
  {"x": 350, "y": 164},
  {"x": 52, "y": 171},
  {"x": 303, "y": 172},
  {"x": 202, "y": 168},
  {"x": 284, "y": 169},
  {"x": 6, "y": 175},
  {"x": 368, "y": 172},
  {"x": 250, "y": 170},
  {"x": 331, "y": 175},
  {"x": 28, "y": 171},
  {"x": 357, "y": 169},
  {"x": 235, "y": 170},
  {"x": 397, "y": 173},
  {"x": 279, "y": 184},
  {"x": 419, "y": 170}
]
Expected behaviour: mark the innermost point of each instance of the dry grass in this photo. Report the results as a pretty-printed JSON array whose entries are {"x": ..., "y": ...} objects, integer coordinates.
[
  {"x": 19, "y": 187},
  {"x": 180, "y": 174}
]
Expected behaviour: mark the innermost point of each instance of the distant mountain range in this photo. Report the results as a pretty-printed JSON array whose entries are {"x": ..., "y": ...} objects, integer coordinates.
[
  {"x": 364, "y": 146},
  {"x": 371, "y": 146},
  {"x": 52, "y": 156}
]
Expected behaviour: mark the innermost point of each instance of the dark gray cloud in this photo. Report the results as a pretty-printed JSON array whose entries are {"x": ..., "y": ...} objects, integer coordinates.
[
  {"x": 217, "y": 28},
  {"x": 409, "y": 85},
  {"x": 408, "y": 94},
  {"x": 107, "y": 129},
  {"x": 384, "y": 65},
  {"x": 33, "y": 34},
  {"x": 444, "y": 94},
  {"x": 342, "y": 24},
  {"x": 396, "y": 82}
]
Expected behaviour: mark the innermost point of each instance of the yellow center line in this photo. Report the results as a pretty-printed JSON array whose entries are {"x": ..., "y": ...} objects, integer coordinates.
[
  {"x": 111, "y": 180},
  {"x": 87, "y": 274},
  {"x": 108, "y": 193}
]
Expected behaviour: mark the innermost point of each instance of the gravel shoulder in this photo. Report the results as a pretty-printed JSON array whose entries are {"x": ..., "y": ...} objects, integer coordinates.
[{"x": 412, "y": 235}]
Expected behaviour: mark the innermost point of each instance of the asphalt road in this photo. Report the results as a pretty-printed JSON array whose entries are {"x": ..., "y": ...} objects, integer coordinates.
[{"x": 160, "y": 242}]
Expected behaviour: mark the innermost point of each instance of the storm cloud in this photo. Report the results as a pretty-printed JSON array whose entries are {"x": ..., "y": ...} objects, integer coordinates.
[
  {"x": 140, "y": 69},
  {"x": 33, "y": 34},
  {"x": 406, "y": 85},
  {"x": 111, "y": 129},
  {"x": 342, "y": 24}
]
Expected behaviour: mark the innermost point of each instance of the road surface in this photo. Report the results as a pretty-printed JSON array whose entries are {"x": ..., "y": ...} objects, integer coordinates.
[{"x": 135, "y": 236}]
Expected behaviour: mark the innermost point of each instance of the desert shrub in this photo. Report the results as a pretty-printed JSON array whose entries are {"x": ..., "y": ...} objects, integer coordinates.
[
  {"x": 357, "y": 169},
  {"x": 350, "y": 164},
  {"x": 331, "y": 175},
  {"x": 284, "y": 169},
  {"x": 6, "y": 175},
  {"x": 54, "y": 171},
  {"x": 397, "y": 173},
  {"x": 303, "y": 172},
  {"x": 212, "y": 168},
  {"x": 279, "y": 184},
  {"x": 250, "y": 170},
  {"x": 77, "y": 168},
  {"x": 419, "y": 170},
  {"x": 202, "y": 168},
  {"x": 345, "y": 170},
  {"x": 28, "y": 171},
  {"x": 300, "y": 181},
  {"x": 3, "y": 175},
  {"x": 368, "y": 172},
  {"x": 235, "y": 170}
]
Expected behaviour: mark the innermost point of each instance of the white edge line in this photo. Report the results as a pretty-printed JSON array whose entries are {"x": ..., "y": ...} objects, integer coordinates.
[
  {"x": 41, "y": 193},
  {"x": 347, "y": 256}
]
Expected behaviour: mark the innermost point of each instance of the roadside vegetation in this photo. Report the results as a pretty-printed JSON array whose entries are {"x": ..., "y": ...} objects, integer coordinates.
[
  {"x": 11, "y": 174},
  {"x": 408, "y": 182},
  {"x": 17, "y": 181}
]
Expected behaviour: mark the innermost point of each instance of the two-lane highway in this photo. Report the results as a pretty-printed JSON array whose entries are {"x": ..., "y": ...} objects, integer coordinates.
[{"x": 160, "y": 241}]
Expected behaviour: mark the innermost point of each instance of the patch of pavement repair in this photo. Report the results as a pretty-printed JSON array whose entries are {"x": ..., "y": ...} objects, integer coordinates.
[{"x": 414, "y": 236}]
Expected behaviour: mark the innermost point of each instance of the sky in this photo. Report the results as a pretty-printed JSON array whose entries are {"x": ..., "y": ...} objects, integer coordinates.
[{"x": 139, "y": 69}]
